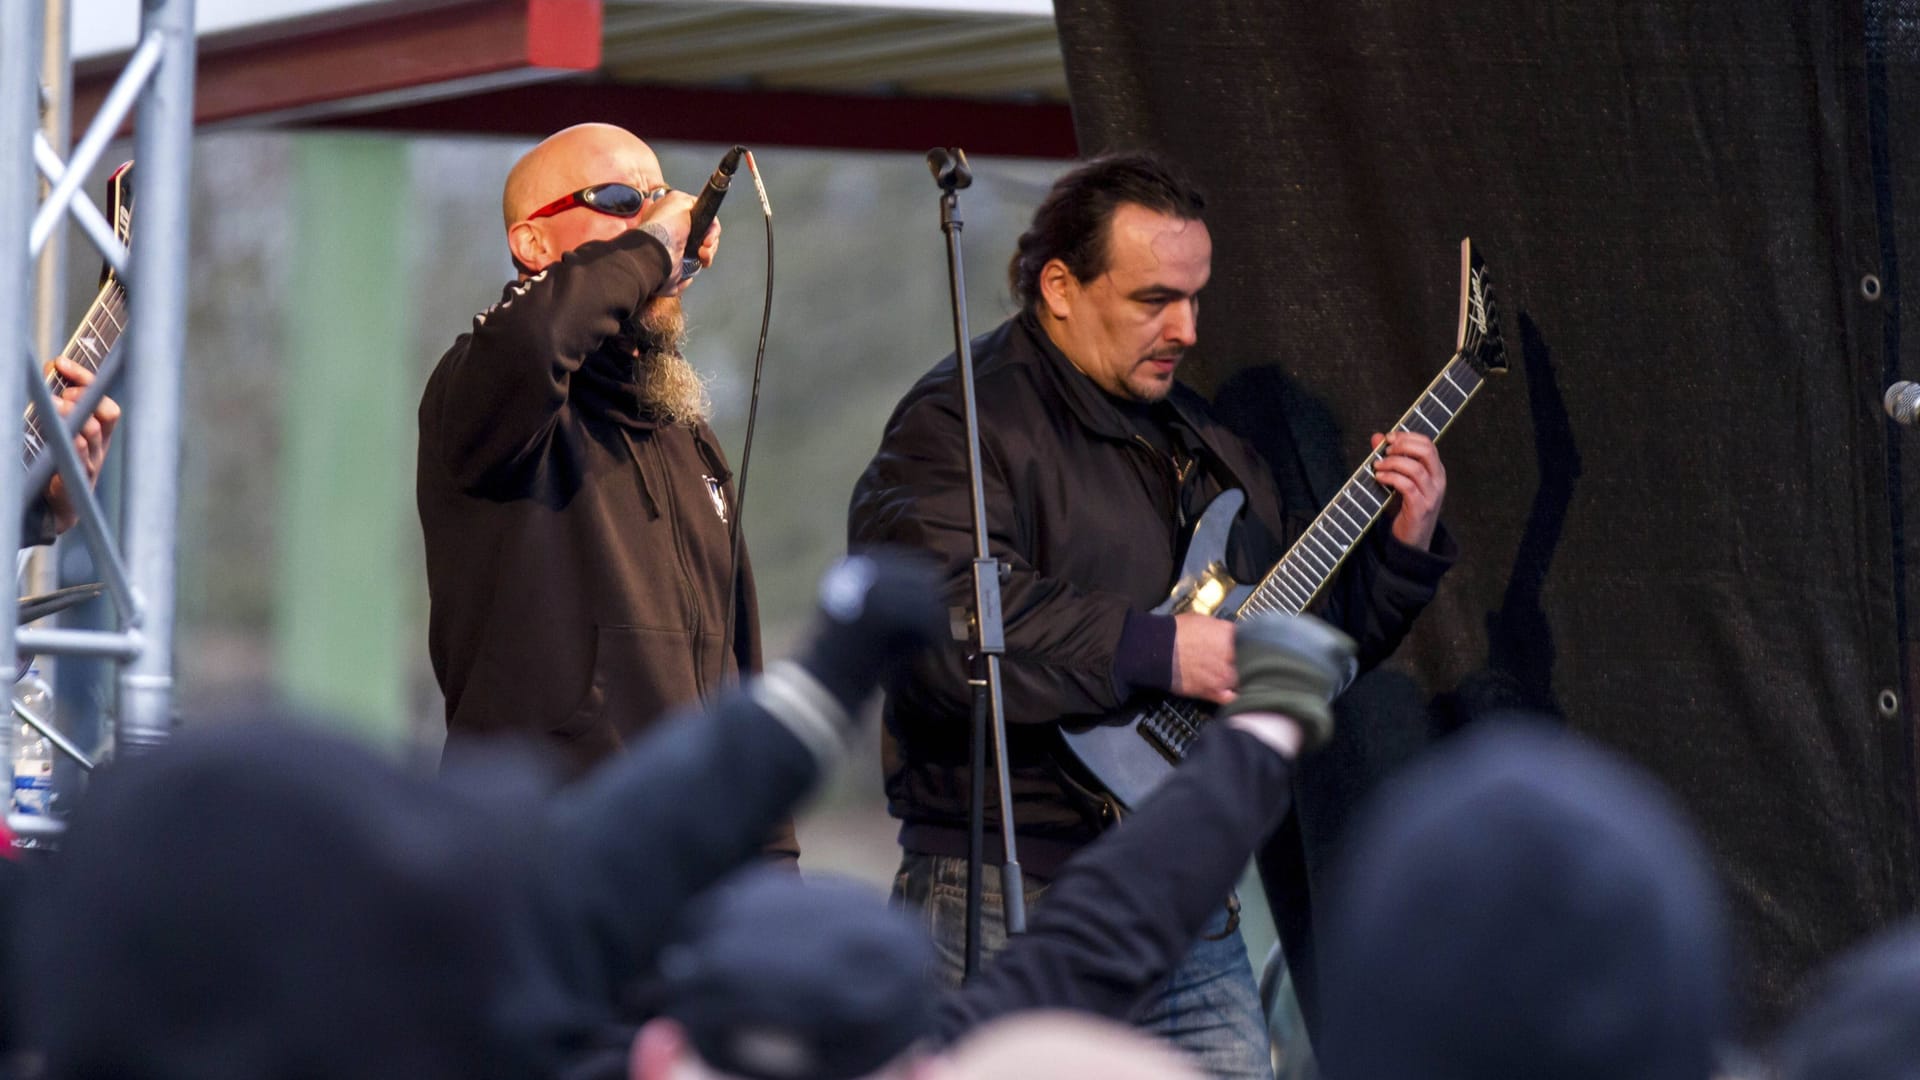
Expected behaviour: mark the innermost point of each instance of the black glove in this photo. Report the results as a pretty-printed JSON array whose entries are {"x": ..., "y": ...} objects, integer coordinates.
[
  {"x": 1293, "y": 665},
  {"x": 877, "y": 609}
]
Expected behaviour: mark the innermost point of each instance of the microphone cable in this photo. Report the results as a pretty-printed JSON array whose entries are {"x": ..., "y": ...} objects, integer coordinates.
[{"x": 753, "y": 412}]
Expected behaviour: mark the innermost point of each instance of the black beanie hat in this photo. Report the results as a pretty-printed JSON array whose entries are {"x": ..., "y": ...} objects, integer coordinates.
[
  {"x": 780, "y": 979},
  {"x": 267, "y": 902},
  {"x": 1864, "y": 1021},
  {"x": 1525, "y": 907}
]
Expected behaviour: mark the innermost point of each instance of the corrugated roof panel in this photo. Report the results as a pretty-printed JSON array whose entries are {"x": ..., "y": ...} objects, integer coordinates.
[{"x": 836, "y": 49}]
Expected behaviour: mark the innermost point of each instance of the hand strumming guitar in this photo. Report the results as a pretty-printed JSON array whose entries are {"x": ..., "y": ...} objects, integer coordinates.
[{"x": 1203, "y": 658}]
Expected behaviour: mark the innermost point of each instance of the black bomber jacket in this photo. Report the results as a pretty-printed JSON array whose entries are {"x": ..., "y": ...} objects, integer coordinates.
[{"x": 1078, "y": 509}]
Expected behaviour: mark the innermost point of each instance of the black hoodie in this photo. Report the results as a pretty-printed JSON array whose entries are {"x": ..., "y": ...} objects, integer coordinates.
[{"x": 578, "y": 558}]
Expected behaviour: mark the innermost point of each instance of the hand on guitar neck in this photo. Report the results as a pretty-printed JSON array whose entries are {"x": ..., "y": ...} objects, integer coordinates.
[
  {"x": 71, "y": 380},
  {"x": 1410, "y": 467}
]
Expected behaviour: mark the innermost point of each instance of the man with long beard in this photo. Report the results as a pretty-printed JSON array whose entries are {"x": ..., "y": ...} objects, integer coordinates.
[{"x": 574, "y": 500}]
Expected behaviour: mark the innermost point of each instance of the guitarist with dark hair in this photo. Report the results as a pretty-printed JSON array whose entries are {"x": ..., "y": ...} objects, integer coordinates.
[{"x": 1096, "y": 463}]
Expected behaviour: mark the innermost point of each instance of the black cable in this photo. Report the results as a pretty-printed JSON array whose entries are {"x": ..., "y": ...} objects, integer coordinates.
[{"x": 753, "y": 411}]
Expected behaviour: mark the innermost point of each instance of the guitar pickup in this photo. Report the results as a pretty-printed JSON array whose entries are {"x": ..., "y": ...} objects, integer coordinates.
[{"x": 1204, "y": 593}]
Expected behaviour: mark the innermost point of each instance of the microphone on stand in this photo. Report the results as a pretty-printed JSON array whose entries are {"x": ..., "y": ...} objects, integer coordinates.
[
  {"x": 705, "y": 207},
  {"x": 1902, "y": 403}
]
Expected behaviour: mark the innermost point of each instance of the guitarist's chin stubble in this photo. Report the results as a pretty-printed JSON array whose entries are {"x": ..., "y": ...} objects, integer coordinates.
[{"x": 1152, "y": 377}]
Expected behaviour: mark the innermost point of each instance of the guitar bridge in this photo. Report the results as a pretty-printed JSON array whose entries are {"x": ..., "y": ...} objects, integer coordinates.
[
  {"x": 1154, "y": 739},
  {"x": 1168, "y": 732}
]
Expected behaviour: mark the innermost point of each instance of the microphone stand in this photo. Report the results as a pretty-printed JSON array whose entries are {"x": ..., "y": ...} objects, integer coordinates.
[{"x": 987, "y": 631}]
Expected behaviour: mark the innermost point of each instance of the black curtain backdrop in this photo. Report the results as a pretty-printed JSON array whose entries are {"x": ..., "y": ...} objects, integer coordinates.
[{"x": 1682, "y": 514}]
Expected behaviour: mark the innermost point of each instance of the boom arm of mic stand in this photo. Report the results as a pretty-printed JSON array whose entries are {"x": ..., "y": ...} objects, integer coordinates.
[{"x": 988, "y": 628}]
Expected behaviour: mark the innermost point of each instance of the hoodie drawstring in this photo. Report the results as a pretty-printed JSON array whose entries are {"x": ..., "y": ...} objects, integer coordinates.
[{"x": 640, "y": 467}]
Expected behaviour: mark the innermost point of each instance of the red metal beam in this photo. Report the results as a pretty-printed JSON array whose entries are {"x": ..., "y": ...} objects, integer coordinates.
[
  {"x": 754, "y": 117},
  {"x": 326, "y": 65}
]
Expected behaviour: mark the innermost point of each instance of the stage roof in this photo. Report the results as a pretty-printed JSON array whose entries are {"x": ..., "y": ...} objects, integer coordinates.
[{"x": 859, "y": 74}]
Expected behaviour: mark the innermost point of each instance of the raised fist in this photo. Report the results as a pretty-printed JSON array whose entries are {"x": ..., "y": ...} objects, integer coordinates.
[
  {"x": 877, "y": 609},
  {"x": 1293, "y": 665}
]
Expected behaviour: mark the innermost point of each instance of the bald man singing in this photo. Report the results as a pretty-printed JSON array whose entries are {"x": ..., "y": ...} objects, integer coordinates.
[{"x": 574, "y": 500}]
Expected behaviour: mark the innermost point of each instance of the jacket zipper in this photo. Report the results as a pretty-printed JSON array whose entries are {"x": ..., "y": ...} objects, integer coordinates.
[
  {"x": 685, "y": 570},
  {"x": 1172, "y": 466}
]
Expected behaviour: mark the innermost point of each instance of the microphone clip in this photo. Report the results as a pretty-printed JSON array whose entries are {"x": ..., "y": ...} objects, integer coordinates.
[{"x": 950, "y": 169}]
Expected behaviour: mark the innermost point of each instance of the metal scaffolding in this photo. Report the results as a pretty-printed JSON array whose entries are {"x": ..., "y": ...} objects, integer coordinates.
[{"x": 156, "y": 89}]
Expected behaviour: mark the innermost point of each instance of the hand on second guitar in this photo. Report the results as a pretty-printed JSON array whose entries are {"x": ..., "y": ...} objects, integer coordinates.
[
  {"x": 1203, "y": 658},
  {"x": 1411, "y": 468},
  {"x": 91, "y": 440}
]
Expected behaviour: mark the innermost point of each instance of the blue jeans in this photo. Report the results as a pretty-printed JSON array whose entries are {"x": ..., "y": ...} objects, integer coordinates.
[{"x": 1209, "y": 1006}]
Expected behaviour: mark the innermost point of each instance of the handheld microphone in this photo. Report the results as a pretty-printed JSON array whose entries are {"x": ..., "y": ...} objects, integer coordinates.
[
  {"x": 705, "y": 207},
  {"x": 1902, "y": 403}
]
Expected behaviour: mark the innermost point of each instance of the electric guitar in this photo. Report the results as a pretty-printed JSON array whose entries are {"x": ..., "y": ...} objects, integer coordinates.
[
  {"x": 92, "y": 340},
  {"x": 1132, "y": 751},
  {"x": 106, "y": 317}
]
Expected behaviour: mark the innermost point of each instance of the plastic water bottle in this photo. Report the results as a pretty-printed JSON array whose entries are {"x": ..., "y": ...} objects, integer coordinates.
[{"x": 32, "y": 754}]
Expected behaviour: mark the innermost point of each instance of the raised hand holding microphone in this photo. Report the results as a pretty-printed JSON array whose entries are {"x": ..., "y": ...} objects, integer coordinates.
[
  {"x": 671, "y": 214},
  {"x": 707, "y": 206},
  {"x": 669, "y": 218}
]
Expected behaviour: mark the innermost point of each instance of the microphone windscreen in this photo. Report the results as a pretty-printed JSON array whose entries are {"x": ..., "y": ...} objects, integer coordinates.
[{"x": 1902, "y": 402}]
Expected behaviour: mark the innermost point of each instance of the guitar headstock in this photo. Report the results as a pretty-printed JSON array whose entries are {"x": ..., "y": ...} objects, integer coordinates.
[
  {"x": 1479, "y": 338},
  {"x": 120, "y": 211}
]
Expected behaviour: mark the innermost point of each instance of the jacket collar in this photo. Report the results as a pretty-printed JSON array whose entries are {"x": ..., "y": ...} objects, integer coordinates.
[{"x": 1093, "y": 407}]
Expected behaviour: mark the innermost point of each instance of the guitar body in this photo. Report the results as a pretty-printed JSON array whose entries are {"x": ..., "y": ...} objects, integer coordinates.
[{"x": 1124, "y": 753}]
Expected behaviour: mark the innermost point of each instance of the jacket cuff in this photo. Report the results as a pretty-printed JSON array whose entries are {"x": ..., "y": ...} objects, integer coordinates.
[
  {"x": 37, "y": 524},
  {"x": 1143, "y": 660},
  {"x": 1413, "y": 564}
]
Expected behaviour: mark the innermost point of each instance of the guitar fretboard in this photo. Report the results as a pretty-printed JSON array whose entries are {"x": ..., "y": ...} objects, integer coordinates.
[
  {"x": 91, "y": 342},
  {"x": 1293, "y": 584},
  {"x": 1299, "y": 577}
]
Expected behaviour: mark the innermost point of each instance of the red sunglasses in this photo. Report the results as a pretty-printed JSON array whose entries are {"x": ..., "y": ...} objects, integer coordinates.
[{"x": 614, "y": 200}]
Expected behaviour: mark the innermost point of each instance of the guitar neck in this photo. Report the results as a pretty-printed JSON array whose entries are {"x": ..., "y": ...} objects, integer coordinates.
[
  {"x": 92, "y": 340},
  {"x": 1304, "y": 572}
]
